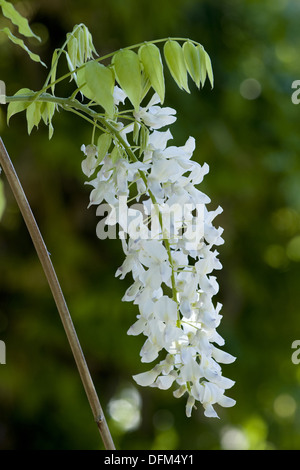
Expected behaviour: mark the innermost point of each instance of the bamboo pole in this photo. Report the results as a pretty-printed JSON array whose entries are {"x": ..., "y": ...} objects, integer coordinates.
[{"x": 13, "y": 180}]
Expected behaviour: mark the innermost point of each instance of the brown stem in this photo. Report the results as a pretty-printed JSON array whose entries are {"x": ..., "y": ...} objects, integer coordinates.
[{"x": 58, "y": 296}]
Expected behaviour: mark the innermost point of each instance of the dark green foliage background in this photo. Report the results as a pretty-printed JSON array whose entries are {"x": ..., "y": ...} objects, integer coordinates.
[{"x": 253, "y": 150}]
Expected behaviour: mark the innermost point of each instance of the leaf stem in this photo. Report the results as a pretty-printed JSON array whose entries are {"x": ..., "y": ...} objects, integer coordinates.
[{"x": 58, "y": 296}]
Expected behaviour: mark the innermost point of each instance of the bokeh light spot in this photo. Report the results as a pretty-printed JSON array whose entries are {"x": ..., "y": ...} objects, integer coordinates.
[
  {"x": 233, "y": 438},
  {"x": 293, "y": 249},
  {"x": 250, "y": 89},
  {"x": 125, "y": 409},
  {"x": 285, "y": 406}
]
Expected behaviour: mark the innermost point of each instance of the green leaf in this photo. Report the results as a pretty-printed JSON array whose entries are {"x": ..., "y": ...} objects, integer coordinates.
[
  {"x": 51, "y": 129},
  {"x": 176, "y": 64},
  {"x": 89, "y": 46},
  {"x": 81, "y": 47},
  {"x": 14, "y": 16},
  {"x": 128, "y": 73},
  {"x": 33, "y": 115},
  {"x": 20, "y": 43},
  {"x": 54, "y": 63},
  {"x": 71, "y": 67},
  {"x": 209, "y": 69},
  {"x": 72, "y": 52},
  {"x": 136, "y": 132},
  {"x": 150, "y": 57},
  {"x": 81, "y": 82},
  {"x": 47, "y": 112},
  {"x": 192, "y": 61},
  {"x": 116, "y": 154},
  {"x": 103, "y": 145},
  {"x": 100, "y": 81},
  {"x": 15, "y": 107},
  {"x": 144, "y": 139},
  {"x": 146, "y": 85},
  {"x": 202, "y": 64}
]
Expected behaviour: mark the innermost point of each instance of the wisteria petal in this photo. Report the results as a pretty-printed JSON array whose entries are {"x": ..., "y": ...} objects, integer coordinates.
[
  {"x": 210, "y": 412},
  {"x": 165, "y": 381},
  {"x": 226, "y": 402},
  {"x": 146, "y": 378},
  {"x": 222, "y": 356}
]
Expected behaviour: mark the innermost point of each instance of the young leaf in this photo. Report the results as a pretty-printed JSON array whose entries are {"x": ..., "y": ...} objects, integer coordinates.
[
  {"x": 71, "y": 67},
  {"x": 202, "y": 64},
  {"x": 136, "y": 132},
  {"x": 33, "y": 115},
  {"x": 192, "y": 61},
  {"x": 54, "y": 63},
  {"x": 20, "y": 43},
  {"x": 116, "y": 154},
  {"x": 175, "y": 61},
  {"x": 128, "y": 73},
  {"x": 72, "y": 52},
  {"x": 14, "y": 16},
  {"x": 150, "y": 57},
  {"x": 103, "y": 145},
  {"x": 146, "y": 85},
  {"x": 81, "y": 82},
  {"x": 144, "y": 139},
  {"x": 100, "y": 81},
  {"x": 209, "y": 69},
  {"x": 47, "y": 112},
  {"x": 81, "y": 47},
  {"x": 15, "y": 107},
  {"x": 87, "y": 45}
]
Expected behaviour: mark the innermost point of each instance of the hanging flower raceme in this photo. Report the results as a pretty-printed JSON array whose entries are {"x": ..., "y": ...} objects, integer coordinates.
[
  {"x": 169, "y": 243},
  {"x": 150, "y": 188}
]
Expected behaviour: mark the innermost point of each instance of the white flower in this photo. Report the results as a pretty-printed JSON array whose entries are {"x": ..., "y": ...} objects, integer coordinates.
[
  {"x": 189, "y": 405},
  {"x": 210, "y": 394},
  {"x": 168, "y": 243},
  {"x": 88, "y": 165},
  {"x": 119, "y": 95},
  {"x": 158, "y": 139},
  {"x": 147, "y": 378},
  {"x": 166, "y": 310},
  {"x": 165, "y": 381},
  {"x": 155, "y": 117}
]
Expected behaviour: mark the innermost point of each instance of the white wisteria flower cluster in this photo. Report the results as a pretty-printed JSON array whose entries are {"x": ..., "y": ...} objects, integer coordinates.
[{"x": 171, "y": 259}]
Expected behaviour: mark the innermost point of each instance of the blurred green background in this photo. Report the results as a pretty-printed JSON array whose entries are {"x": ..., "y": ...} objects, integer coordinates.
[{"x": 247, "y": 130}]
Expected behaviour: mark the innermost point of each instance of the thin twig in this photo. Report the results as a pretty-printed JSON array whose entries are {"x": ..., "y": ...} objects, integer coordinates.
[{"x": 13, "y": 180}]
